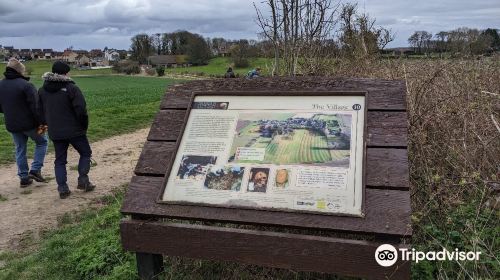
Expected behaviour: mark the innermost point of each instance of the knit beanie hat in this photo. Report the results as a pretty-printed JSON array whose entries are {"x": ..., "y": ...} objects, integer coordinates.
[
  {"x": 16, "y": 65},
  {"x": 60, "y": 67}
]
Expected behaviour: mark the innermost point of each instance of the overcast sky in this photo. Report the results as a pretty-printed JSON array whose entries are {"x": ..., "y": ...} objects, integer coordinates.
[{"x": 89, "y": 24}]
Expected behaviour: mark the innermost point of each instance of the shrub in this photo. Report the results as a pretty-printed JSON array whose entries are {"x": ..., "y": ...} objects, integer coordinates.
[
  {"x": 239, "y": 54},
  {"x": 160, "y": 70},
  {"x": 127, "y": 66},
  {"x": 150, "y": 71},
  {"x": 241, "y": 63}
]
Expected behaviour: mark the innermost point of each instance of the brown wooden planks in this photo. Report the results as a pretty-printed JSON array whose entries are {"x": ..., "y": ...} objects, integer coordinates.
[
  {"x": 155, "y": 157},
  {"x": 387, "y": 211},
  {"x": 385, "y": 129},
  {"x": 383, "y": 94},
  {"x": 167, "y": 125},
  {"x": 279, "y": 250},
  {"x": 387, "y": 168}
]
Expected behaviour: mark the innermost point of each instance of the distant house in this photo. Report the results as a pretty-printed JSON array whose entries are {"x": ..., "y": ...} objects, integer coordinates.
[
  {"x": 69, "y": 56},
  {"x": 82, "y": 60},
  {"x": 25, "y": 54},
  {"x": 82, "y": 52},
  {"x": 47, "y": 53},
  {"x": 163, "y": 60},
  {"x": 98, "y": 61},
  {"x": 37, "y": 53},
  {"x": 95, "y": 53},
  {"x": 111, "y": 55},
  {"x": 57, "y": 55},
  {"x": 224, "y": 51}
]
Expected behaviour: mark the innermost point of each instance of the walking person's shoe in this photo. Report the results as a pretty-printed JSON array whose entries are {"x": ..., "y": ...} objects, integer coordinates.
[
  {"x": 26, "y": 182},
  {"x": 86, "y": 187},
  {"x": 37, "y": 176},
  {"x": 65, "y": 194}
]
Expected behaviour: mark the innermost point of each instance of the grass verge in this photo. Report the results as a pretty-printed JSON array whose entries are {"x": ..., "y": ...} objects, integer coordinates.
[{"x": 87, "y": 246}]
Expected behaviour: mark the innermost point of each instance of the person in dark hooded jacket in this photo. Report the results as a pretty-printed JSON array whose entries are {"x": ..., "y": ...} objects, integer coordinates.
[
  {"x": 63, "y": 108},
  {"x": 18, "y": 104}
]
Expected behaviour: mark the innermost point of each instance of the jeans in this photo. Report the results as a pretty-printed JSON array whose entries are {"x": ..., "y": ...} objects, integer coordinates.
[
  {"x": 82, "y": 146},
  {"x": 21, "y": 141}
]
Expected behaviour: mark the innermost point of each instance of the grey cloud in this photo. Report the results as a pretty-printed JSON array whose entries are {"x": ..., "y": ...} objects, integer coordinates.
[{"x": 95, "y": 22}]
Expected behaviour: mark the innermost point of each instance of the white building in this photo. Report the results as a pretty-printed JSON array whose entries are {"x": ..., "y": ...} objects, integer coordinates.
[{"x": 111, "y": 55}]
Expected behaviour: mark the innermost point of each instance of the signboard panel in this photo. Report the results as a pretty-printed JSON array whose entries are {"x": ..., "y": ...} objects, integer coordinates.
[{"x": 286, "y": 153}]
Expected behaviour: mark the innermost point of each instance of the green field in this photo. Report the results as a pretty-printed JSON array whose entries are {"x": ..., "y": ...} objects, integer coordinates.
[
  {"x": 218, "y": 66},
  {"x": 303, "y": 146},
  {"x": 116, "y": 104}
]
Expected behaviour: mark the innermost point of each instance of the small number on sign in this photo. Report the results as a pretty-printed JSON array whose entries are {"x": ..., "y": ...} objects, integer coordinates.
[{"x": 356, "y": 107}]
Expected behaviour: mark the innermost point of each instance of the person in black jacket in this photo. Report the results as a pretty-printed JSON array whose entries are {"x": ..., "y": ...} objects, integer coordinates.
[
  {"x": 63, "y": 108},
  {"x": 230, "y": 73},
  {"x": 18, "y": 104}
]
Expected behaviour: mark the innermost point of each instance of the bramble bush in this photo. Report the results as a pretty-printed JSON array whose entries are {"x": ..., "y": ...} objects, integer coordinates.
[
  {"x": 128, "y": 67},
  {"x": 160, "y": 70}
]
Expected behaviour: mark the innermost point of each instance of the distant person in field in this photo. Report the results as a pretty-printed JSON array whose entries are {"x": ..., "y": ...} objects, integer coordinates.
[
  {"x": 255, "y": 73},
  {"x": 63, "y": 108},
  {"x": 18, "y": 104},
  {"x": 229, "y": 73}
]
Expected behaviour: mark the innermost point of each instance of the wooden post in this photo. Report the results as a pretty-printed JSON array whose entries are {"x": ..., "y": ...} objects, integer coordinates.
[{"x": 149, "y": 266}]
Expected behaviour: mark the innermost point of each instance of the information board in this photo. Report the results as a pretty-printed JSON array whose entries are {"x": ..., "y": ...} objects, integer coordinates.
[{"x": 285, "y": 153}]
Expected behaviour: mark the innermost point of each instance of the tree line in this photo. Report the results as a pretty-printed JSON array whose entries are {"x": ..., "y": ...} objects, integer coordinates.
[
  {"x": 462, "y": 41},
  {"x": 194, "y": 47}
]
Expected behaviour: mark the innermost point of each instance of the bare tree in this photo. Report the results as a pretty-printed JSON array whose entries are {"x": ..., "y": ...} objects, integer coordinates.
[
  {"x": 298, "y": 29},
  {"x": 270, "y": 30},
  {"x": 359, "y": 36}
]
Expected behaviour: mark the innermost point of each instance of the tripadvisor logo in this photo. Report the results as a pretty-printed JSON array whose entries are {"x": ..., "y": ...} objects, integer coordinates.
[{"x": 387, "y": 255}]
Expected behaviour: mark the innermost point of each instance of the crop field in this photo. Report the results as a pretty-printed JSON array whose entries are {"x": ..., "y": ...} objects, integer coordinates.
[
  {"x": 116, "y": 104},
  {"x": 295, "y": 146}
]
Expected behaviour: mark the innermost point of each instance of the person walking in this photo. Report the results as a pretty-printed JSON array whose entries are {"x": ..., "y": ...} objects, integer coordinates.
[
  {"x": 18, "y": 104},
  {"x": 63, "y": 107}
]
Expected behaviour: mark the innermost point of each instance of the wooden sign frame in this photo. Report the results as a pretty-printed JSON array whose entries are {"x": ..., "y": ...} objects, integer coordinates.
[
  {"x": 305, "y": 242},
  {"x": 261, "y": 93}
]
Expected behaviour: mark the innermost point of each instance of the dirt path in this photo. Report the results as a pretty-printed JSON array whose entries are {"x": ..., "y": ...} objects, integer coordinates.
[{"x": 38, "y": 206}]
